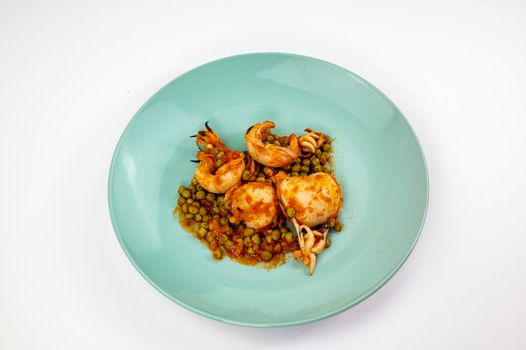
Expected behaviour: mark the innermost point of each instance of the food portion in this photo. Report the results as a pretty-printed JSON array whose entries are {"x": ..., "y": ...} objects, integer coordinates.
[
  {"x": 241, "y": 205},
  {"x": 310, "y": 201},
  {"x": 271, "y": 151},
  {"x": 219, "y": 168},
  {"x": 253, "y": 203}
]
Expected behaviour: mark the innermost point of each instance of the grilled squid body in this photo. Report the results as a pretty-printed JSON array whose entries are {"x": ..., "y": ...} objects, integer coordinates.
[
  {"x": 315, "y": 198},
  {"x": 254, "y": 203},
  {"x": 270, "y": 155}
]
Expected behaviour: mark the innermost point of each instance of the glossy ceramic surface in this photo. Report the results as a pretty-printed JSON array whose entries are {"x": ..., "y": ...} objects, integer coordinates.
[{"x": 379, "y": 164}]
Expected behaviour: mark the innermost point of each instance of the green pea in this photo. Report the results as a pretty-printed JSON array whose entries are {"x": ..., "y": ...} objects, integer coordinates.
[
  {"x": 338, "y": 226},
  {"x": 296, "y": 168},
  {"x": 185, "y": 208},
  {"x": 210, "y": 197},
  {"x": 203, "y": 211},
  {"x": 284, "y": 140},
  {"x": 277, "y": 248},
  {"x": 268, "y": 239},
  {"x": 291, "y": 212},
  {"x": 198, "y": 217},
  {"x": 326, "y": 147},
  {"x": 209, "y": 237},
  {"x": 246, "y": 175},
  {"x": 318, "y": 169},
  {"x": 287, "y": 168},
  {"x": 266, "y": 255},
  {"x": 221, "y": 199},
  {"x": 247, "y": 241},
  {"x": 267, "y": 171},
  {"x": 206, "y": 218},
  {"x": 181, "y": 201},
  {"x": 276, "y": 143},
  {"x": 260, "y": 179},
  {"x": 228, "y": 244},
  {"x": 327, "y": 155},
  {"x": 323, "y": 159},
  {"x": 256, "y": 239},
  {"x": 200, "y": 195},
  {"x": 219, "y": 163},
  {"x": 275, "y": 235},
  {"x": 215, "y": 210},
  {"x": 217, "y": 254},
  {"x": 303, "y": 174},
  {"x": 248, "y": 231},
  {"x": 220, "y": 154},
  {"x": 250, "y": 251},
  {"x": 304, "y": 169},
  {"x": 181, "y": 189},
  {"x": 192, "y": 188},
  {"x": 315, "y": 161},
  {"x": 194, "y": 181},
  {"x": 202, "y": 232},
  {"x": 193, "y": 209},
  {"x": 328, "y": 242},
  {"x": 200, "y": 188},
  {"x": 204, "y": 224},
  {"x": 289, "y": 237},
  {"x": 270, "y": 138},
  {"x": 222, "y": 238},
  {"x": 224, "y": 221},
  {"x": 186, "y": 194},
  {"x": 294, "y": 174},
  {"x": 306, "y": 162},
  {"x": 284, "y": 229},
  {"x": 188, "y": 216},
  {"x": 331, "y": 222},
  {"x": 317, "y": 152},
  {"x": 189, "y": 201}
]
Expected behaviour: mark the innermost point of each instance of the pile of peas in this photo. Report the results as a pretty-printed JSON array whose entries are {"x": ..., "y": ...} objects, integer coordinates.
[
  {"x": 219, "y": 156},
  {"x": 320, "y": 161},
  {"x": 276, "y": 140},
  {"x": 263, "y": 175},
  {"x": 315, "y": 163},
  {"x": 206, "y": 216}
]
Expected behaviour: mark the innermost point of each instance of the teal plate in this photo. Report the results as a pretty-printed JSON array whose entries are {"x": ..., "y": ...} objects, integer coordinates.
[{"x": 378, "y": 160}]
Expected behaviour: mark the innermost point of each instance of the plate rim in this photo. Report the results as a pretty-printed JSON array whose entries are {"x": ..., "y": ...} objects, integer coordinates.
[{"x": 321, "y": 316}]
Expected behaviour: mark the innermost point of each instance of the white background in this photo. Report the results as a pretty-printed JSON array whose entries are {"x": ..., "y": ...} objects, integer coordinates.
[{"x": 72, "y": 73}]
